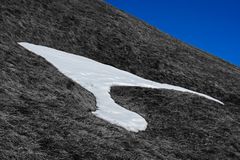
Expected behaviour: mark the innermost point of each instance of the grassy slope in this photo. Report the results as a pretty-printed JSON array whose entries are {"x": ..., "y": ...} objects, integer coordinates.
[{"x": 44, "y": 115}]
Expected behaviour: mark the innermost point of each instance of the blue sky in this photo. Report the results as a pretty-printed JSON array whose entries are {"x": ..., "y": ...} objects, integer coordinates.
[{"x": 211, "y": 25}]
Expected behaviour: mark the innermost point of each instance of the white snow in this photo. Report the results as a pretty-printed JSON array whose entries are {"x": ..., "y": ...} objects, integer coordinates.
[{"x": 98, "y": 78}]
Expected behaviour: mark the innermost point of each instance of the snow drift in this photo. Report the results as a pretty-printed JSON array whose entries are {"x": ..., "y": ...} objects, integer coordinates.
[{"x": 98, "y": 79}]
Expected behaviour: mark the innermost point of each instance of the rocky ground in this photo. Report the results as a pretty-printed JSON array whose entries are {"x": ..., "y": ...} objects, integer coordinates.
[{"x": 45, "y": 115}]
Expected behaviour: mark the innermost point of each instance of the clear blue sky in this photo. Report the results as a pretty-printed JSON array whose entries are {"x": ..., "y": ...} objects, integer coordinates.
[{"x": 211, "y": 25}]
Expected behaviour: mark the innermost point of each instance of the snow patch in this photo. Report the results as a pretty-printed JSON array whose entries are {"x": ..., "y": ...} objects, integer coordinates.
[{"x": 98, "y": 78}]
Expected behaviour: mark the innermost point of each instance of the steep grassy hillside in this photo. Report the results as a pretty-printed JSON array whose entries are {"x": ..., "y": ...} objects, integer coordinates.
[{"x": 45, "y": 115}]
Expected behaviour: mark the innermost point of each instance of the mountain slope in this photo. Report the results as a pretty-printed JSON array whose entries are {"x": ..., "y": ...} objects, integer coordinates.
[{"x": 45, "y": 115}]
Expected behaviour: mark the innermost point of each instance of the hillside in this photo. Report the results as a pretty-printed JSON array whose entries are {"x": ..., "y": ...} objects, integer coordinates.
[{"x": 45, "y": 115}]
